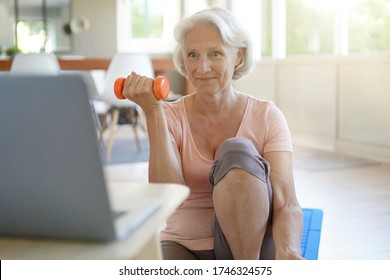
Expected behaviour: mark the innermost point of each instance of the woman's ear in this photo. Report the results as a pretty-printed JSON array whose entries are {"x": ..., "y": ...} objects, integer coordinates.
[{"x": 240, "y": 56}]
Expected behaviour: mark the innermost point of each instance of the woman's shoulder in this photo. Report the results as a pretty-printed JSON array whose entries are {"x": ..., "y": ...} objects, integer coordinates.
[
  {"x": 174, "y": 105},
  {"x": 175, "y": 109},
  {"x": 260, "y": 105}
]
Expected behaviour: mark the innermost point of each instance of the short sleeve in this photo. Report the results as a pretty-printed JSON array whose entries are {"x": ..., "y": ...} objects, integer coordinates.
[
  {"x": 278, "y": 137},
  {"x": 173, "y": 121}
]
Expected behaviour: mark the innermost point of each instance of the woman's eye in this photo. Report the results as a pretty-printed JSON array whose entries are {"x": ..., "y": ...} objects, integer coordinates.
[
  {"x": 191, "y": 55},
  {"x": 215, "y": 54}
]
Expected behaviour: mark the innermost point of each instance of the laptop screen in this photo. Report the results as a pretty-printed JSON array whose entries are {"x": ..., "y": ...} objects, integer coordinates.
[{"x": 51, "y": 177}]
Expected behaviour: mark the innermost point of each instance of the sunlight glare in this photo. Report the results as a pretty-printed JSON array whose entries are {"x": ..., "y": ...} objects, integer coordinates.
[{"x": 331, "y": 5}]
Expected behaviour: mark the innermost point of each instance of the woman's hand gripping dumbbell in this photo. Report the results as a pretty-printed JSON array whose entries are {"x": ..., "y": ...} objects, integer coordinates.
[{"x": 160, "y": 87}]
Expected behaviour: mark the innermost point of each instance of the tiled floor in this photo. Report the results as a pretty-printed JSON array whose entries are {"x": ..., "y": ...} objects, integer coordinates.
[{"x": 354, "y": 195}]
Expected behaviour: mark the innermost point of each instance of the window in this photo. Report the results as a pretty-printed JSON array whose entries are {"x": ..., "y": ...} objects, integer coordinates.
[
  {"x": 369, "y": 25},
  {"x": 31, "y": 36},
  {"x": 40, "y": 26},
  {"x": 278, "y": 27},
  {"x": 147, "y": 19},
  {"x": 147, "y": 25},
  {"x": 190, "y": 7},
  {"x": 266, "y": 28},
  {"x": 309, "y": 26},
  {"x": 337, "y": 27},
  {"x": 251, "y": 20}
]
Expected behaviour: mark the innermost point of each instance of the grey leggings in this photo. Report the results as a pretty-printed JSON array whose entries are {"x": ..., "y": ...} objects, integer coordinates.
[{"x": 233, "y": 153}]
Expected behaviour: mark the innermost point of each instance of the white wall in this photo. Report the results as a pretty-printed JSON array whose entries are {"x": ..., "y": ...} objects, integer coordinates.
[
  {"x": 306, "y": 92},
  {"x": 7, "y": 20},
  {"x": 364, "y": 105},
  {"x": 337, "y": 103},
  {"x": 262, "y": 82},
  {"x": 100, "y": 40}
]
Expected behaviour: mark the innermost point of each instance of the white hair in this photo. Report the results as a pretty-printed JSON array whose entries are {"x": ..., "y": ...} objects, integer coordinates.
[{"x": 233, "y": 35}]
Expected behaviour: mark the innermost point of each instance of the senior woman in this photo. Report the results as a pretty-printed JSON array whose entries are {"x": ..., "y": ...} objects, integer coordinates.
[{"x": 233, "y": 151}]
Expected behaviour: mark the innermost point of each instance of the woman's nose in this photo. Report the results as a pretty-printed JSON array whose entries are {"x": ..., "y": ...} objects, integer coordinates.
[{"x": 203, "y": 65}]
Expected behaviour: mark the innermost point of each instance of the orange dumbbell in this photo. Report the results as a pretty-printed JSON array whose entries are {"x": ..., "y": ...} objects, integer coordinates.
[{"x": 160, "y": 87}]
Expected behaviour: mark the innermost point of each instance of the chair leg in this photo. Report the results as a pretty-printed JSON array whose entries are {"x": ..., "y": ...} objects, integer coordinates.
[
  {"x": 113, "y": 125},
  {"x": 103, "y": 125},
  {"x": 134, "y": 123},
  {"x": 142, "y": 118},
  {"x": 96, "y": 116}
]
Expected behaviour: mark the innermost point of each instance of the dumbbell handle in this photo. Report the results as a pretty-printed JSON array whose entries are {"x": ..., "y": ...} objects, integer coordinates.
[{"x": 160, "y": 87}]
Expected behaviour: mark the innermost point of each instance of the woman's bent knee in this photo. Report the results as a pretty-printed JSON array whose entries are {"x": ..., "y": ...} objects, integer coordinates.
[{"x": 238, "y": 153}]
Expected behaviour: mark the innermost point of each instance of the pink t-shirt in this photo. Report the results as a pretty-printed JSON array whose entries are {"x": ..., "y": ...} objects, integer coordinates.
[{"x": 192, "y": 224}]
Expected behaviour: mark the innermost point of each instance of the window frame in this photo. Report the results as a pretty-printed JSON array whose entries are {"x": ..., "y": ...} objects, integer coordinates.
[
  {"x": 166, "y": 44},
  {"x": 174, "y": 10}
]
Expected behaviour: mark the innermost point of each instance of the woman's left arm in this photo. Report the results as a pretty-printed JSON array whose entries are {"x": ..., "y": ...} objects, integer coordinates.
[{"x": 287, "y": 223}]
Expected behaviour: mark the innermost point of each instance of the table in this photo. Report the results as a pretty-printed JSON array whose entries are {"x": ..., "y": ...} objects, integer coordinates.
[
  {"x": 142, "y": 244},
  {"x": 72, "y": 63},
  {"x": 160, "y": 65}
]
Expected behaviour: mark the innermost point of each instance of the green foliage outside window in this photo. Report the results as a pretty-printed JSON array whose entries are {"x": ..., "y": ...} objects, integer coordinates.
[
  {"x": 309, "y": 27},
  {"x": 147, "y": 18},
  {"x": 32, "y": 36},
  {"x": 369, "y": 26}
]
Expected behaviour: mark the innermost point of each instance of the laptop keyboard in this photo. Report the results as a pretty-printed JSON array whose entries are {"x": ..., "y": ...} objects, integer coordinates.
[{"x": 312, "y": 223}]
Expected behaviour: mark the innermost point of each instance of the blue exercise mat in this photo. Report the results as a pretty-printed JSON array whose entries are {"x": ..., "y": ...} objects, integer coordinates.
[{"x": 312, "y": 223}]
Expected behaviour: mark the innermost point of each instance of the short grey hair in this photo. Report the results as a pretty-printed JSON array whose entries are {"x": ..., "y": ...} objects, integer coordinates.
[{"x": 233, "y": 34}]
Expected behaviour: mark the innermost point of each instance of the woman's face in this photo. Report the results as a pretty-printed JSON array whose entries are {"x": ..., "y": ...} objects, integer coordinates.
[{"x": 208, "y": 61}]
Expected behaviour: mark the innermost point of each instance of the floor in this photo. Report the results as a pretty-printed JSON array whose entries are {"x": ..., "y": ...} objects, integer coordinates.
[
  {"x": 356, "y": 205},
  {"x": 353, "y": 193}
]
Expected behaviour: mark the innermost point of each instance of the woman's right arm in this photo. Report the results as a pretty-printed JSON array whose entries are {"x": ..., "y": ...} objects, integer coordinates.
[{"x": 164, "y": 158}]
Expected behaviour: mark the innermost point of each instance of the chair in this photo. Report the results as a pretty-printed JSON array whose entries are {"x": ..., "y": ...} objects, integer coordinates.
[
  {"x": 121, "y": 65},
  {"x": 97, "y": 104},
  {"x": 35, "y": 64},
  {"x": 48, "y": 64}
]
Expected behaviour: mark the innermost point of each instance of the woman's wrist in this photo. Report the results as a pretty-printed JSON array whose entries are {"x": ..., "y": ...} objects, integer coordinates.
[{"x": 153, "y": 109}]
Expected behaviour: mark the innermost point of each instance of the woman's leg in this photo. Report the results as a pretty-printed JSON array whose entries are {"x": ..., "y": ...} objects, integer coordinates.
[
  {"x": 242, "y": 208},
  {"x": 242, "y": 198},
  {"x": 172, "y": 250}
]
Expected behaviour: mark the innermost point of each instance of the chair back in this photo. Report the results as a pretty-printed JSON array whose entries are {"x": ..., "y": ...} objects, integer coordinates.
[
  {"x": 121, "y": 65},
  {"x": 35, "y": 64}
]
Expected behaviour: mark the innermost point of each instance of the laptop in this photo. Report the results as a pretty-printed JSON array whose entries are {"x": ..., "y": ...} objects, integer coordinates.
[{"x": 52, "y": 182}]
